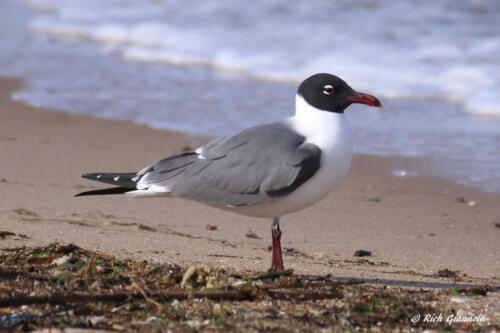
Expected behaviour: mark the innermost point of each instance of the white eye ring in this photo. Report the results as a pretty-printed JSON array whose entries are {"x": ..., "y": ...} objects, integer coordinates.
[{"x": 328, "y": 90}]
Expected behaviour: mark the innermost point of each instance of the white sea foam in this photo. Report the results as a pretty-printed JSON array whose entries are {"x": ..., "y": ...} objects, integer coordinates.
[
  {"x": 437, "y": 50},
  {"x": 485, "y": 103}
]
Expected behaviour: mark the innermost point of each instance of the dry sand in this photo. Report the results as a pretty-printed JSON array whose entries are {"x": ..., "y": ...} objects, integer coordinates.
[{"x": 413, "y": 225}]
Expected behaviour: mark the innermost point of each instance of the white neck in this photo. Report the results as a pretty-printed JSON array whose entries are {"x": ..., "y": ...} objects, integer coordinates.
[{"x": 319, "y": 126}]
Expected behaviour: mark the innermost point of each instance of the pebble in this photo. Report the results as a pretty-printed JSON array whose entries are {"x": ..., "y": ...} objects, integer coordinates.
[{"x": 457, "y": 299}]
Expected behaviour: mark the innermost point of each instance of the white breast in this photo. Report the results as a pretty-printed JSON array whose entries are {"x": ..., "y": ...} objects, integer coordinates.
[{"x": 329, "y": 131}]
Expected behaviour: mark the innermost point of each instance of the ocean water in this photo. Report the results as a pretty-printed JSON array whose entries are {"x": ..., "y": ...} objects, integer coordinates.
[{"x": 215, "y": 67}]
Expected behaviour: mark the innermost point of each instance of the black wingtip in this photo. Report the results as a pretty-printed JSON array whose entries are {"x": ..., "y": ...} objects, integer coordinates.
[
  {"x": 105, "y": 191},
  {"x": 120, "y": 179}
]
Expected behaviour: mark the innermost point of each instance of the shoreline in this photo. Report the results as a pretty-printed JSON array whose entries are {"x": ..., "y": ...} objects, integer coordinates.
[{"x": 413, "y": 225}]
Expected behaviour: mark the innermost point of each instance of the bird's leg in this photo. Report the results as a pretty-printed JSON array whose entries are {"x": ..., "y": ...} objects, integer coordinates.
[{"x": 277, "y": 263}]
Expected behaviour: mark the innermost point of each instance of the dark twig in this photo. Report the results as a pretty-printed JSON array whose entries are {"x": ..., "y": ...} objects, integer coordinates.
[
  {"x": 268, "y": 275},
  {"x": 229, "y": 295},
  {"x": 12, "y": 275}
]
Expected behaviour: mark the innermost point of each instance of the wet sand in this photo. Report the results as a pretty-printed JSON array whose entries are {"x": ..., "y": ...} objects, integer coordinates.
[{"x": 413, "y": 226}]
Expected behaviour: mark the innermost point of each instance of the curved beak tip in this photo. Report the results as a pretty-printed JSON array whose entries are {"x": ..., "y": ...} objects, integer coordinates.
[{"x": 365, "y": 99}]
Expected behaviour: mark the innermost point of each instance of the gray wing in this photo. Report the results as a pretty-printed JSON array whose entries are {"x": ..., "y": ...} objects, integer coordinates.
[{"x": 252, "y": 167}]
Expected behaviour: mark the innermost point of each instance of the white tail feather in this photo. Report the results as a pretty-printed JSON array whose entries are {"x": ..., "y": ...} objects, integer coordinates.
[{"x": 138, "y": 194}]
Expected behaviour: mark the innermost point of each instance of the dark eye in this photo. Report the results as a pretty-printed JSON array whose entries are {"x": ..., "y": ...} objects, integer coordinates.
[{"x": 328, "y": 90}]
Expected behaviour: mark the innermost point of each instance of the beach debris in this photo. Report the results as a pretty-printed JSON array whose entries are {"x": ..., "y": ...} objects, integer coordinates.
[
  {"x": 198, "y": 275},
  {"x": 399, "y": 172},
  {"x": 116, "y": 327},
  {"x": 223, "y": 242},
  {"x": 403, "y": 173},
  {"x": 164, "y": 228},
  {"x": 137, "y": 286},
  {"x": 446, "y": 273},
  {"x": 268, "y": 275},
  {"x": 458, "y": 299},
  {"x": 95, "y": 291},
  {"x": 295, "y": 253},
  {"x": 211, "y": 227},
  {"x": 123, "y": 224},
  {"x": 223, "y": 255},
  {"x": 146, "y": 227},
  {"x": 253, "y": 235},
  {"x": 8, "y": 234},
  {"x": 69, "y": 248},
  {"x": 220, "y": 310},
  {"x": 375, "y": 199},
  {"x": 94, "y": 320},
  {"x": 497, "y": 224},
  {"x": 362, "y": 253},
  {"x": 471, "y": 203},
  {"x": 62, "y": 260},
  {"x": 25, "y": 212},
  {"x": 5, "y": 234},
  {"x": 473, "y": 291},
  {"x": 319, "y": 255}
]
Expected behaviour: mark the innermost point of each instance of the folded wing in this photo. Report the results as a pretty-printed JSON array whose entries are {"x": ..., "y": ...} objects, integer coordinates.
[{"x": 240, "y": 170}]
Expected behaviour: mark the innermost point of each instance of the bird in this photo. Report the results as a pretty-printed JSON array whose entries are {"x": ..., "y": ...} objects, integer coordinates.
[{"x": 265, "y": 171}]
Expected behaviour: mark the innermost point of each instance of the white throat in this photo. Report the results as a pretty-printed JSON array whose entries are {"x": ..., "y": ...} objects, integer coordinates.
[{"x": 323, "y": 128}]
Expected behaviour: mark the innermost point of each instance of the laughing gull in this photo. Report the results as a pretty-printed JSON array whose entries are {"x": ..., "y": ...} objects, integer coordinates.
[{"x": 263, "y": 171}]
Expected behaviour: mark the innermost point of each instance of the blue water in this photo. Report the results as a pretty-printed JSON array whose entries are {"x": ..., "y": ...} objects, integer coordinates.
[{"x": 215, "y": 67}]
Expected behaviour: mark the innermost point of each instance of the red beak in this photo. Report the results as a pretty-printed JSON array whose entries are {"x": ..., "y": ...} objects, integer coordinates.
[{"x": 365, "y": 99}]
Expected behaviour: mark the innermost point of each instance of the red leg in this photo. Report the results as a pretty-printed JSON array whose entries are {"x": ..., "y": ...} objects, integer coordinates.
[{"x": 277, "y": 262}]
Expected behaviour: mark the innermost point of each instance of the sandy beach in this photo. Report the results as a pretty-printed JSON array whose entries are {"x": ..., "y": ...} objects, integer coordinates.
[{"x": 413, "y": 226}]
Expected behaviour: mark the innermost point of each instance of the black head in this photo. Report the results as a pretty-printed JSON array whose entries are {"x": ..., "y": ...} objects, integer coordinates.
[{"x": 330, "y": 93}]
